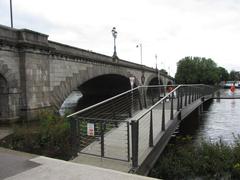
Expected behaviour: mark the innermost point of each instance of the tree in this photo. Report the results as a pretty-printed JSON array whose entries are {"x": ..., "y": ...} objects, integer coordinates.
[
  {"x": 234, "y": 75},
  {"x": 223, "y": 74},
  {"x": 163, "y": 71},
  {"x": 196, "y": 70}
]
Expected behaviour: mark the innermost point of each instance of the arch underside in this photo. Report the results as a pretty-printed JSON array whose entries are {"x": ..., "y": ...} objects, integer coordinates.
[{"x": 96, "y": 90}]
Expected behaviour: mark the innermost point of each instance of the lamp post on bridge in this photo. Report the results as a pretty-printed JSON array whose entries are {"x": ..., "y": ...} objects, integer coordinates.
[
  {"x": 158, "y": 76},
  {"x": 142, "y": 77},
  {"x": 114, "y": 33},
  {"x": 11, "y": 14},
  {"x": 140, "y": 46}
]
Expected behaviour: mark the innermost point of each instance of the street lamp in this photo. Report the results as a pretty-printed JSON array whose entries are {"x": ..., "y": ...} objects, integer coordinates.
[
  {"x": 156, "y": 61},
  {"x": 142, "y": 77},
  {"x": 140, "y": 46},
  {"x": 114, "y": 33},
  {"x": 11, "y": 14}
]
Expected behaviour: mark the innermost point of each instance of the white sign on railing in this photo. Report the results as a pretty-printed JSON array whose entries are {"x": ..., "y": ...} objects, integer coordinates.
[{"x": 90, "y": 129}]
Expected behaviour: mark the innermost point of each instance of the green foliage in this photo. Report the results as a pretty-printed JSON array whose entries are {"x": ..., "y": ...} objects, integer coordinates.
[
  {"x": 223, "y": 74},
  {"x": 50, "y": 137},
  {"x": 163, "y": 71},
  {"x": 206, "y": 160},
  {"x": 196, "y": 70},
  {"x": 234, "y": 75},
  {"x": 54, "y": 134}
]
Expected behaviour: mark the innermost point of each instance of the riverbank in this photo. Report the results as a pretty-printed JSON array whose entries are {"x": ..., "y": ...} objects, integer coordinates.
[
  {"x": 206, "y": 146},
  {"x": 49, "y": 135},
  {"x": 206, "y": 160}
]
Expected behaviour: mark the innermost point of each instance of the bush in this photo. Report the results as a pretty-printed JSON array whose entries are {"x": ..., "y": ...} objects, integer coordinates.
[
  {"x": 51, "y": 137},
  {"x": 207, "y": 160}
]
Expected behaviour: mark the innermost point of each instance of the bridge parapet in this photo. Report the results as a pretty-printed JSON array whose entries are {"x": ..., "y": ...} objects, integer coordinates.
[{"x": 44, "y": 72}]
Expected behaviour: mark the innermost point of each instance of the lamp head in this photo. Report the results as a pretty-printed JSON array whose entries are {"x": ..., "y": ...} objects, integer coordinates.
[{"x": 114, "y": 32}]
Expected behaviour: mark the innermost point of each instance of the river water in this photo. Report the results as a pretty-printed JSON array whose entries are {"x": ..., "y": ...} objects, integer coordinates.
[{"x": 220, "y": 119}]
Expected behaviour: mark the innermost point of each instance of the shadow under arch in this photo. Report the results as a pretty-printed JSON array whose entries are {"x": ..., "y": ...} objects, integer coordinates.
[
  {"x": 95, "y": 90},
  {"x": 154, "y": 92},
  {"x": 102, "y": 87},
  {"x": 3, "y": 98}
]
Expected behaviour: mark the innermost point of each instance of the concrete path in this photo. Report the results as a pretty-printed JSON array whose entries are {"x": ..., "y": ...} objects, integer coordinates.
[
  {"x": 14, "y": 162},
  {"x": 23, "y": 166}
]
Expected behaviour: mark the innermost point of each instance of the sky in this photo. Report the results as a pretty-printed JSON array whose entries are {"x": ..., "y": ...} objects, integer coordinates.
[{"x": 170, "y": 29}]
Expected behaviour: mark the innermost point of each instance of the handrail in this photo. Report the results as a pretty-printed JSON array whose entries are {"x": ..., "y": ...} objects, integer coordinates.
[
  {"x": 166, "y": 96},
  {"x": 114, "y": 97},
  {"x": 160, "y": 85},
  {"x": 131, "y": 90},
  {"x": 159, "y": 102},
  {"x": 102, "y": 102}
]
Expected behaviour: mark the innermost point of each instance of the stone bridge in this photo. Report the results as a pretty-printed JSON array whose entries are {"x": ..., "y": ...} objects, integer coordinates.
[{"x": 36, "y": 74}]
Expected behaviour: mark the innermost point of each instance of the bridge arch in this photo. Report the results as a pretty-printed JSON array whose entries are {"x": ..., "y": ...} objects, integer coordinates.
[
  {"x": 102, "y": 87},
  {"x": 94, "y": 90},
  {"x": 153, "y": 80}
]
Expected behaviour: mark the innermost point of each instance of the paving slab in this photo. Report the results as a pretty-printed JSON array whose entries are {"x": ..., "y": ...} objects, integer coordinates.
[
  {"x": 13, "y": 163},
  {"x": 55, "y": 169}
]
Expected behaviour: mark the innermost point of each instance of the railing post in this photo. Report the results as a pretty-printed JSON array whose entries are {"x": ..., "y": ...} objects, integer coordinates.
[
  {"x": 189, "y": 94},
  {"x": 139, "y": 101},
  {"x": 196, "y": 94},
  {"x": 151, "y": 130},
  {"x": 102, "y": 139},
  {"x": 131, "y": 103},
  {"x": 181, "y": 99},
  {"x": 135, "y": 134},
  {"x": 159, "y": 96},
  {"x": 185, "y": 93},
  {"x": 192, "y": 94},
  {"x": 152, "y": 96},
  {"x": 163, "y": 115},
  {"x": 171, "y": 113},
  {"x": 144, "y": 97},
  {"x": 177, "y": 99},
  {"x": 128, "y": 142}
]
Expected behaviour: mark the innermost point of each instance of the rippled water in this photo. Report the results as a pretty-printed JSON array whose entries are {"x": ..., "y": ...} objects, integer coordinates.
[{"x": 220, "y": 118}]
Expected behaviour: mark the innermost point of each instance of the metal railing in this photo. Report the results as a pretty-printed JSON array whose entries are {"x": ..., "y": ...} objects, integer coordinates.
[
  {"x": 126, "y": 125},
  {"x": 125, "y": 104},
  {"x": 147, "y": 128}
]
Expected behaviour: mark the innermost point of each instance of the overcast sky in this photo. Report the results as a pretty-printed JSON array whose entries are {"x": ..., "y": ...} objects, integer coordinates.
[{"x": 172, "y": 29}]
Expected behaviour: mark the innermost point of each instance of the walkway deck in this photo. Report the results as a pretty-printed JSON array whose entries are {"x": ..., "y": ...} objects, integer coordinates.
[
  {"x": 136, "y": 143},
  {"x": 118, "y": 147}
]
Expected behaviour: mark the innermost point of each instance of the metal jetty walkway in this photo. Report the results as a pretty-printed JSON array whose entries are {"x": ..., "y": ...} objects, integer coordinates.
[{"x": 128, "y": 132}]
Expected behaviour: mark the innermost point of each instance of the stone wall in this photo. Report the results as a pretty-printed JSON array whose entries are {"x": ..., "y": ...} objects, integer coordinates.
[{"x": 41, "y": 73}]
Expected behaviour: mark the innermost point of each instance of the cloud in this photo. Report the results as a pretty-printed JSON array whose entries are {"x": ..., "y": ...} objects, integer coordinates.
[{"x": 172, "y": 29}]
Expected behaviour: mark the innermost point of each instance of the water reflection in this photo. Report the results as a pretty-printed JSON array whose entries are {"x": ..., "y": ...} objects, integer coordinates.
[{"x": 220, "y": 119}]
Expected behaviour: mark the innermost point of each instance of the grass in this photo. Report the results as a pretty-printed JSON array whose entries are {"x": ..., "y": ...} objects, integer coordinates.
[{"x": 207, "y": 160}]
